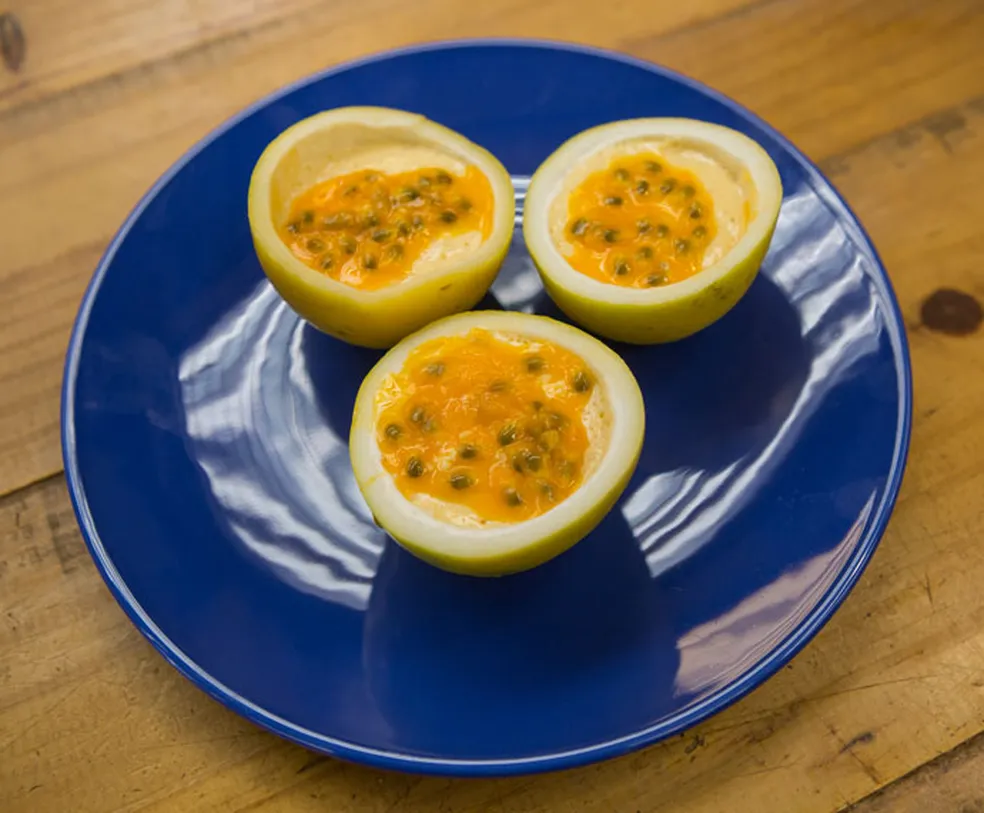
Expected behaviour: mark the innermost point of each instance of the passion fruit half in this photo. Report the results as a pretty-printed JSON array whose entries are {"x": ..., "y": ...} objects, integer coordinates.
[
  {"x": 489, "y": 442},
  {"x": 649, "y": 230},
  {"x": 372, "y": 222}
]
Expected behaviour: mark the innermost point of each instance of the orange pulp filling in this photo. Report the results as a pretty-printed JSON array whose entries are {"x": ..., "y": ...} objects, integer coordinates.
[
  {"x": 367, "y": 228},
  {"x": 488, "y": 422},
  {"x": 640, "y": 223}
]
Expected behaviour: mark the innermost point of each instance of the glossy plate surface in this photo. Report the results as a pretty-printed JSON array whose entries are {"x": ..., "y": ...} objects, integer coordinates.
[{"x": 205, "y": 432}]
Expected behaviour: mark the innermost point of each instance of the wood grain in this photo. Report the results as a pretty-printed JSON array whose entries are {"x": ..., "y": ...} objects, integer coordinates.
[
  {"x": 80, "y": 44},
  {"x": 92, "y": 719},
  {"x": 94, "y": 147},
  {"x": 952, "y": 782},
  {"x": 894, "y": 680}
]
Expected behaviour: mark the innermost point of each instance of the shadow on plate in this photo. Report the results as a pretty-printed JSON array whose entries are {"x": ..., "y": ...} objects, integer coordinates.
[
  {"x": 490, "y": 667},
  {"x": 718, "y": 395}
]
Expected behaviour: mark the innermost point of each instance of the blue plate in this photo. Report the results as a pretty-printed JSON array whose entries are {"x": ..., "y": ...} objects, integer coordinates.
[{"x": 205, "y": 429}]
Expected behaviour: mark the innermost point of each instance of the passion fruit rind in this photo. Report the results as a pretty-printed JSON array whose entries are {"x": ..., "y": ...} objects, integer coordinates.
[
  {"x": 504, "y": 564},
  {"x": 379, "y": 318},
  {"x": 677, "y": 319},
  {"x": 368, "y": 322},
  {"x": 507, "y": 548}
]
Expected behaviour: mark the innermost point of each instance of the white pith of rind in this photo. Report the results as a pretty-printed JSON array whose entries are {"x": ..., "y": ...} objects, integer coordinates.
[
  {"x": 549, "y": 181},
  {"x": 427, "y": 139},
  {"x": 410, "y": 523}
]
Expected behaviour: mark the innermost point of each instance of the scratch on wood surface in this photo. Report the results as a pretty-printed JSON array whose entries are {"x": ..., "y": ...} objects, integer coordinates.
[
  {"x": 312, "y": 763},
  {"x": 848, "y": 748},
  {"x": 876, "y": 685},
  {"x": 13, "y": 43},
  {"x": 929, "y": 592},
  {"x": 404, "y": 794},
  {"x": 763, "y": 726},
  {"x": 694, "y": 744},
  {"x": 44, "y": 717},
  {"x": 861, "y": 739},
  {"x": 770, "y": 768}
]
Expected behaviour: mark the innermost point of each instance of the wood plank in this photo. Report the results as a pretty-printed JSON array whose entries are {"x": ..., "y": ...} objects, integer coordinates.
[
  {"x": 894, "y": 680},
  {"x": 55, "y": 152},
  {"x": 70, "y": 43},
  {"x": 73, "y": 44},
  {"x": 833, "y": 74},
  {"x": 952, "y": 783},
  {"x": 92, "y": 719}
]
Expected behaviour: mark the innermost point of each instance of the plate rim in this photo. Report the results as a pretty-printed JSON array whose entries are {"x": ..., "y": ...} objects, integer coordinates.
[{"x": 393, "y": 759}]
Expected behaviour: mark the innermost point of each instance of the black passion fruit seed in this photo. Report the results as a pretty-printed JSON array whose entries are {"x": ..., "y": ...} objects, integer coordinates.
[
  {"x": 507, "y": 434},
  {"x": 534, "y": 364}
]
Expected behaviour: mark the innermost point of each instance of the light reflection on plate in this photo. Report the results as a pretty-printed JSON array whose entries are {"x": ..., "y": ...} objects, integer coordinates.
[{"x": 205, "y": 437}]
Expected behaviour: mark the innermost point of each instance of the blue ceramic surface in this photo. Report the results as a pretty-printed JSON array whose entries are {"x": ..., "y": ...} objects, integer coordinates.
[{"x": 205, "y": 432}]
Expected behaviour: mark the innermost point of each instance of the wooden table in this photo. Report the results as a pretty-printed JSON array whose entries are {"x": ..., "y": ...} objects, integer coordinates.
[{"x": 883, "y": 711}]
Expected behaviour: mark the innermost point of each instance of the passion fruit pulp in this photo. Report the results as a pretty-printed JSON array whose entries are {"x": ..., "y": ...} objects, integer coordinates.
[{"x": 373, "y": 222}]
